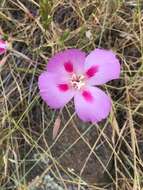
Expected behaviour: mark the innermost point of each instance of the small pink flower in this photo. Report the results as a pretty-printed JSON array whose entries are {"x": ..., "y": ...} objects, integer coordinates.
[
  {"x": 3, "y": 46},
  {"x": 73, "y": 74}
]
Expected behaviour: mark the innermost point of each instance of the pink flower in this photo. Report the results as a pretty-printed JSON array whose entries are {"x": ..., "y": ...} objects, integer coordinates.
[
  {"x": 73, "y": 74},
  {"x": 3, "y": 47}
]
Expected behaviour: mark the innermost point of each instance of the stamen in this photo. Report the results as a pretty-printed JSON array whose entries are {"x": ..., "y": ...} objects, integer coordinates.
[{"x": 77, "y": 82}]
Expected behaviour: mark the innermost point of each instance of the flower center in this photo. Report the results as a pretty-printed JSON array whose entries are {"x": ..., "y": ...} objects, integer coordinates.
[{"x": 77, "y": 81}]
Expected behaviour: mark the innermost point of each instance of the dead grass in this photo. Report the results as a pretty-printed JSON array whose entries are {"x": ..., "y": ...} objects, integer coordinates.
[{"x": 27, "y": 150}]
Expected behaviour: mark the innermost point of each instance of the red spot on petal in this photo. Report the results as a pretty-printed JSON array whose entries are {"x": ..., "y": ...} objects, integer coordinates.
[
  {"x": 87, "y": 96},
  {"x": 63, "y": 87},
  {"x": 68, "y": 67},
  {"x": 91, "y": 71}
]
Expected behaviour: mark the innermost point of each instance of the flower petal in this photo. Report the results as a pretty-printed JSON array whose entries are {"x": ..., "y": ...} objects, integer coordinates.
[
  {"x": 54, "y": 91},
  {"x": 101, "y": 66},
  {"x": 67, "y": 61},
  {"x": 3, "y": 47},
  {"x": 92, "y": 104}
]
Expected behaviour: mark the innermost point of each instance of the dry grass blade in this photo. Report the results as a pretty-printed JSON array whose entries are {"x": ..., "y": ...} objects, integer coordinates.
[{"x": 37, "y": 146}]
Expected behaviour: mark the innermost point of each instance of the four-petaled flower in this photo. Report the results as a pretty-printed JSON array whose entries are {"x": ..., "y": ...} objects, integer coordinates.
[
  {"x": 3, "y": 46},
  {"x": 73, "y": 74}
]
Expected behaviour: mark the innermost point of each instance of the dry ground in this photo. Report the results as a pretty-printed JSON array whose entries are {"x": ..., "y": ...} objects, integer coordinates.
[{"x": 83, "y": 156}]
